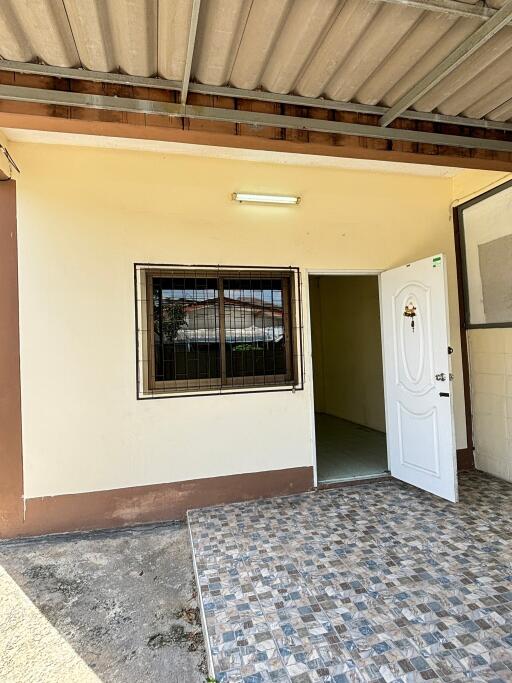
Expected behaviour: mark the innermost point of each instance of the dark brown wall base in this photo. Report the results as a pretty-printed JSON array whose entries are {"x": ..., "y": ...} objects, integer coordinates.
[
  {"x": 465, "y": 460},
  {"x": 156, "y": 503},
  {"x": 159, "y": 502},
  {"x": 11, "y": 460}
]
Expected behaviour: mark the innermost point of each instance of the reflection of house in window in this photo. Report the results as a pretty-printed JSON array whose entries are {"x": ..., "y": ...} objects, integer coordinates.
[
  {"x": 224, "y": 330},
  {"x": 245, "y": 321},
  {"x": 182, "y": 352}
]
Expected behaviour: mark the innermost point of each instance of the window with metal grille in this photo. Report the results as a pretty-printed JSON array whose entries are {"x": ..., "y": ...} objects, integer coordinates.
[{"x": 212, "y": 330}]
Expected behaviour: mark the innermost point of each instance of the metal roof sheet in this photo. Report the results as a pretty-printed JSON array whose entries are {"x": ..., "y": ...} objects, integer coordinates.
[{"x": 362, "y": 51}]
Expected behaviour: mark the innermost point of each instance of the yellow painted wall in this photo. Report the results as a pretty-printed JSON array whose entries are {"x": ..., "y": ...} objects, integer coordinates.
[
  {"x": 470, "y": 183},
  {"x": 85, "y": 217},
  {"x": 347, "y": 349}
]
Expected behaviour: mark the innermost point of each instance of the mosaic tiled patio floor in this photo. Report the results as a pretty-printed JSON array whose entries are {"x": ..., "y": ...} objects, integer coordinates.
[{"x": 380, "y": 582}]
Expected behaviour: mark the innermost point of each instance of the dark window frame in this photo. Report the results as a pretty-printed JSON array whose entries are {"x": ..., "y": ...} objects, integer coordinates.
[
  {"x": 150, "y": 387},
  {"x": 460, "y": 236}
]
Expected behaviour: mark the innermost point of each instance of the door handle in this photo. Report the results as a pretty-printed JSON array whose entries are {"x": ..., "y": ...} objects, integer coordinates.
[{"x": 441, "y": 377}]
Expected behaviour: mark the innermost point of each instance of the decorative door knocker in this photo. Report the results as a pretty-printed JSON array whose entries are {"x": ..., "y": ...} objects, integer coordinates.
[{"x": 410, "y": 312}]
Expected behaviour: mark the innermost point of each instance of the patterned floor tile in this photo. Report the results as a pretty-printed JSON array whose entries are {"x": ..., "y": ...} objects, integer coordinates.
[{"x": 376, "y": 583}]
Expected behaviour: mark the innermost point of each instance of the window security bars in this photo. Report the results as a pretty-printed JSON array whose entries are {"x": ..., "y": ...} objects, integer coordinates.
[{"x": 211, "y": 330}]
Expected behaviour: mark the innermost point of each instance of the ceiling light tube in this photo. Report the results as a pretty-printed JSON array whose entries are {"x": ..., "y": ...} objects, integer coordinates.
[{"x": 265, "y": 198}]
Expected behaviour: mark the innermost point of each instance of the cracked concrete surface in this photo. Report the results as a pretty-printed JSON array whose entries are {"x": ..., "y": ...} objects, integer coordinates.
[{"x": 116, "y": 606}]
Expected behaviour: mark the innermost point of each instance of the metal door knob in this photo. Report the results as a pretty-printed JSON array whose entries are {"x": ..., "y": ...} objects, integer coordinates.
[{"x": 441, "y": 377}]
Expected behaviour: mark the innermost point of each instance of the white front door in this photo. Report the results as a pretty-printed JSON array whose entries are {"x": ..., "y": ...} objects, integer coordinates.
[{"x": 419, "y": 411}]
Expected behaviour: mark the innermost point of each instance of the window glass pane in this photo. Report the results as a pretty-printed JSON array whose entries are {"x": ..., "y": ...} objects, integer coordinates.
[
  {"x": 254, "y": 327},
  {"x": 186, "y": 328}
]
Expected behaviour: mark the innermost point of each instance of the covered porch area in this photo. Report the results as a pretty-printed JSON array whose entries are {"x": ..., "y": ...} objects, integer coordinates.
[{"x": 176, "y": 179}]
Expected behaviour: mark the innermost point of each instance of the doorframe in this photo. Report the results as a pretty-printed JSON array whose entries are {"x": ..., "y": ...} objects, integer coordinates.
[
  {"x": 309, "y": 358},
  {"x": 466, "y": 456}
]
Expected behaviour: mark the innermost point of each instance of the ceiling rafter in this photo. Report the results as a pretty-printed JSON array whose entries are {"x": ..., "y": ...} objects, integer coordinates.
[
  {"x": 228, "y": 91},
  {"x": 194, "y": 18},
  {"x": 492, "y": 22},
  {"x": 133, "y": 105},
  {"x": 450, "y": 63},
  {"x": 454, "y": 7}
]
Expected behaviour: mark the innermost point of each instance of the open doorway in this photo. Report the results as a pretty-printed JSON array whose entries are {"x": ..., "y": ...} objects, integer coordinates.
[{"x": 348, "y": 377}]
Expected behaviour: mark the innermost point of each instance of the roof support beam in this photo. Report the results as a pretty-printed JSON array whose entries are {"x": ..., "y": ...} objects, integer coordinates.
[
  {"x": 459, "y": 55},
  {"x": 194, "y": 18},
  {"x": 126, "y": 104},
  {"x": 454, "y": 7},
  {"x": 228, "y": 91},
  {"x": 75, "y": 74}
]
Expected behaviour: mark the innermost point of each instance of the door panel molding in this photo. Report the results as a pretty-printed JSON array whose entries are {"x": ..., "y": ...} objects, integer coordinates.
[{"x": 419, "y": 411}]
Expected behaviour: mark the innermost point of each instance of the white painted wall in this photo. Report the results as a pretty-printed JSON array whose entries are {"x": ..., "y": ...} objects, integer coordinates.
[
  {"x": 491, "y": 399},
  {"x": 85, "y": 216}
]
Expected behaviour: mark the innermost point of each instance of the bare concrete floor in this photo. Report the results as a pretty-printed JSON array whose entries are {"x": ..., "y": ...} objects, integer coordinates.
[{"x": 114, "y": 607}]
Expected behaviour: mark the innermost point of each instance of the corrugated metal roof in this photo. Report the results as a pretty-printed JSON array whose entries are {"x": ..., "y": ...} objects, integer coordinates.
[{"x": 362, "y": 51}]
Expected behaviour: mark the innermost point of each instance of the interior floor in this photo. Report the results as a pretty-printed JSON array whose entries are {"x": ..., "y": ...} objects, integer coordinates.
[{"x": 346, "y": 450}]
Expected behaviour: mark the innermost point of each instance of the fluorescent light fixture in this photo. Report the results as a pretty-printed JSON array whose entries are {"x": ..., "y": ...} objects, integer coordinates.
[{"x": 265, "y": 198}]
